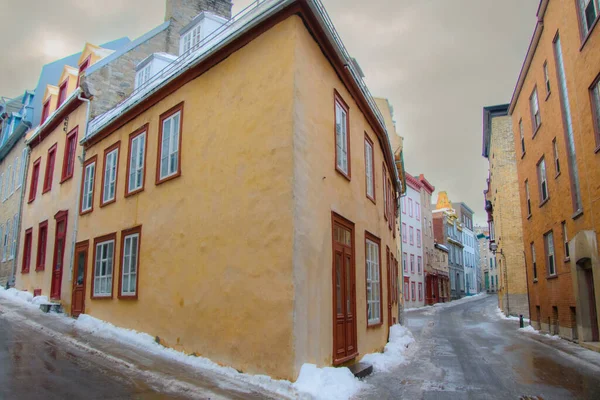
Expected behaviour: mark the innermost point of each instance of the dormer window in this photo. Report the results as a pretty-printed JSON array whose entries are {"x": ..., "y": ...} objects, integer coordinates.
[
  {"x": 45, "y": 110},
  {"x": 152, "y": 66},
  {"x": 191, "y": 39},
  {"x": 143, "y": 75},
  {"x": 201, "y": 27}
]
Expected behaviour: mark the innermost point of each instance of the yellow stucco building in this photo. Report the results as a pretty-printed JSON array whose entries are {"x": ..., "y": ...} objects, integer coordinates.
[{"x": 241, "y": 205}]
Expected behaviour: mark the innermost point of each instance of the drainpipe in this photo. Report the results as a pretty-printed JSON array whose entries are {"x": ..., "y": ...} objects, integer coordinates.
[
  {"x": 20, "y": 218},
  {"x": 527, "y": 277},
  {"x": 77, "y": 198}
]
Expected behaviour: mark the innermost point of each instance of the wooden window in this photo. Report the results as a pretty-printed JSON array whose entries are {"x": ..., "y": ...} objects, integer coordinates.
[
  {"x": 536, "y": 119},
  {"x": 82, "y": 67},
  {"x": 522, "y": 137},
  {"x": 49, "y": 169},
  {"x": 342, "y": 136},
  {"x": 130, "y": 262},
  {"x": 45, "y": 110},
  {"x": 406, "y": 291},
  {"x": 369, "y": 168},
  {"x": 404, "y": 232},
  {"x": 420, "y": 291},
  {"x": 40, "y": 262},
  {"x": 373, "y": 279},
  {"x": 419, "y": 238},
  {"x": 543, "y": 181},
  {"x": 109, "y": 177},
  {"x": 550, "y": 258},
  {"x": 62, "y": 92},
  {"x": 143, "y": 75},
  {"x": 546, "y": 78},
  {"x": 565, "y": 240},
  {"x": 136, "y": 162},
  {"x": 534, "y": 261},
  {"x": 528, "y": 198},
  {"x": 87, "y": 185},
  {"x": 385, "y": 197},
  {"x": 27, "y": 251},
  {"x": 412, "y": 286},
  {"x": 69, "y": 156},
  {"x": 412, "y": 263},
  {"x": 595, "y": 98},
  {"x": 35, "y": 174},
  {"x": 404, "y": 262},
  {"x": 556, "y": 160},
  {"x": 104, "y": 259},
  {"x": 168, "y": 165},
  {"x": 411, "y": 235},
  {"x": 588, "y": 14}
]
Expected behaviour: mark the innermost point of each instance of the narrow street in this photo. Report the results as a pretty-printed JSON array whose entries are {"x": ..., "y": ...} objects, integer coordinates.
[{"x": 466, "y": 352}]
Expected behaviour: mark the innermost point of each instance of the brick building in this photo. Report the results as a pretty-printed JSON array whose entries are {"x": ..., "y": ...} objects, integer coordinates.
[
  {"x": 555, "y": 112},
  {"x": 504, "y": 213}
]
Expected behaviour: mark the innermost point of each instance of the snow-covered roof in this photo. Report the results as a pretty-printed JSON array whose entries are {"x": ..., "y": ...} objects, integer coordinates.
[
  {"x": 442, "y": 247},
  {"x": 165, "y": 56}
]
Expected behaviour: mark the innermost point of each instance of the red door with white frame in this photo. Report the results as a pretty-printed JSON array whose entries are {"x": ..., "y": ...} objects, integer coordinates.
[{"x": 59, "y": 254}]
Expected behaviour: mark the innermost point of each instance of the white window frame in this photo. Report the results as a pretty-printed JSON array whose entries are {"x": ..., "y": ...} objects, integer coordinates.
[
  {"x": 171, "y": 145},
  {"x": 143, "y": 75},
  {"x": 341, "y": 138},
  {"x": 103, "y": 278},
  {"x": 565, "y": 241},
  {"x": 137, "y": 158},
  {"x": 6, "y": 240},
  {"x": 88, "y": 187},
  {"x": 373, "y": 283},
  {"x": 13, "y": 246},
  {"x": 583, "y": 4},
  {"x": 128, "y": 274},
  {"x": 109, "y": 191},
  {"x": 547, "y": 78},
  {"x": 551, "y": 257},
  {"x": 536, "y": 117},
  {"x": 369, "y": 169},
  {"x": 544, "y": 194}
]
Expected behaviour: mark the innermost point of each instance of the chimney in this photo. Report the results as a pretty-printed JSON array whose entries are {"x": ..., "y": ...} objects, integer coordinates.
[{"x": 181, "y": 12}]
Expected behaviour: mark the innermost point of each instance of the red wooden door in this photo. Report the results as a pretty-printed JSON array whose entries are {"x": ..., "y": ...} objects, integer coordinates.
[
  {"x": 389, "y": 286},
  {"x": 78, "y": 295},
  {"x": 59, "y": 250},
  {"x": 344, "y": 292},
  {"x": 589, "y": 278}
]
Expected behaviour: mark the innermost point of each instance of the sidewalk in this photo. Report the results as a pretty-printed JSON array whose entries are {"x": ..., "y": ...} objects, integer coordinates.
[{"x": 171, "y": 376}]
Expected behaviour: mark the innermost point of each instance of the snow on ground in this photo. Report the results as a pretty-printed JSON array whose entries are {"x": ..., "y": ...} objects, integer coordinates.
[
  {"x": 531, "y": 329},
  {"x": 393, "y": 353},
  {"x": 451, "y": 303},
  {"x": 325, "y": 383},
  {"x": 501, "y": 315}
]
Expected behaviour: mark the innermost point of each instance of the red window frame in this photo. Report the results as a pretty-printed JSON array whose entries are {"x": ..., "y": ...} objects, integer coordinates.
[
  {"x": 133, "y": 135},
  {"x": 70, "y": 153},
  {"x": 403, "y": 205},
  {"x": 91, "y": 160},
  {"x": 62, "y": 92},
  {"x": 40, "y": 261},
  {"x": 419, "y": 238},
  {"x": 419, "y": 265},
  {"x": 124, "y": 233},
  {"x": 113, "y": 147},
  {"x": 27, "y": 251},
  {"x": 385, "y": 196},
  {"x": 404, "y": 262},
  {"x": 411, "y": 235},
  {"x": 407, "y": 289},
  {"x": 49, "y": 173},
  {"x": 82, "y": 67},
  {"x": 404, "y": 232},
  {"x": 35, "y": 175},
  {"x": 163, "y": 116},
  {"x": 45, "y": 110},
  {"x": 420, "y": 291},
  {"x": 339, "y": 100},
  {"x": 410, "y": 207},
  {"x": 418, "y": 211},
  {"x": 102, "y": 239},
  {"x": 412, "y": 263},
  {"x": 413, "y": 289},
  {"x": 370, "y": 142}
]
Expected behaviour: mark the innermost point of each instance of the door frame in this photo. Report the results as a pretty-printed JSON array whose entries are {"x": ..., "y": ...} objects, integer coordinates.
[
  {"x": 338, "y": 219},
  {"x": 83, "y": 245},
  {"x": 59, "y": 217}
]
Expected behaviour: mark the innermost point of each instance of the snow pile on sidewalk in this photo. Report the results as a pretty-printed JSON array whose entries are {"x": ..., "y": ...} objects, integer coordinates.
[
  {"x": 531, "y": 329},
  {"x": 328, "y": 383},
  {"x": 450, "y": 303},
  {"x": 18, "y": 296},
  {"x": 393, "y": 353},
  {"x": 501, "y": 315}
]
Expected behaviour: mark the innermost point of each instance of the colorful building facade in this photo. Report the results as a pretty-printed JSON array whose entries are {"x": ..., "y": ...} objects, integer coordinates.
[{"x": 412, "y": 244}]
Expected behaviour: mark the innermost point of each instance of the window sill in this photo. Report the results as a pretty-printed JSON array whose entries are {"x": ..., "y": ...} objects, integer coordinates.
[
  {"x": 102, "y": 297},
  {"x": 108, "y": 202},
  {"x": 372, "y": 199},
  {"x": 568, "y": 259},
  {"x": 24, "y": 272},
  {"x": 535, "y": 280},
  {"x": 544, "y": 202},
  {"x": 134, "y": 192},
  {"x": 339, "y": 171},
  {"x": 66, "y": 178},
  {"x": 548, "y": 95},
  {"x": 536, "y": 130},
  {"x": 597, "y": 149},
  {"x": 40, "y": 269},
  {"x": 178, "y": 174},
  {"x": 555, "y": 276},
  {"x": 374, "y": 325},
  {"x": 523, "y": 154},
  {"x": 128, "y": 297},
  {"x": 585, "y": 39},
  {"x": 46, "y": 190},
  {"x": 529, "y": 216},
  {"x": 557, "y": 175},
  {"x": 28, "y": 201},
  {"x": 86, "y": 212},
  {"x": 577, "y": 214}
]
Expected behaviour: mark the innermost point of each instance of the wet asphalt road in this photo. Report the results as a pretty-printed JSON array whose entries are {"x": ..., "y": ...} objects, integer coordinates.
[
  {"x": 466, "y": 352},
  {"x": 35, "y": 366}
]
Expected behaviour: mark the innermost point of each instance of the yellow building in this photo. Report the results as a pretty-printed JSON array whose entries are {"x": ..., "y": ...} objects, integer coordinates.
[
  {"x": 241, "y": 205},
  {"x": 49, "y": 218}
]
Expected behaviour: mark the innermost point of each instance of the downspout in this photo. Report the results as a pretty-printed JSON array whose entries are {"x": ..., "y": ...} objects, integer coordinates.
[
  {"x": 527, "y": 277},
  {"x": 23, "y": 184},
  {"x": 77, "y": 198}
]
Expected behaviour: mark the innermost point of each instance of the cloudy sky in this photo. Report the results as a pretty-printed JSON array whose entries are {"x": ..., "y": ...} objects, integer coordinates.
[{"x": 437, "y": 61}]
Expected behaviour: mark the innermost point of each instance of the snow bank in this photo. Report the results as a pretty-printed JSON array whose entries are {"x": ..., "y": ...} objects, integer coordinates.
[
  {"x": 501, "y": 315},
  {"x": 393, "y": 353},
  {"x": 450, "y": 303},
  {"x": 328, "y": 383},
  {"x": 531, "y": 329},
  {"x": 18, "y": 296}
]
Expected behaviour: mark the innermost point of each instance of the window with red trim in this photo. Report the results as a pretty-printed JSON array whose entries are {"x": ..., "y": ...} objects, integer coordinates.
[
  {"x": 406, "y": 291},
  {"x": 411, "y": 235},
  {"x": 49, "y": 169},
  {"x": 62, "y": 92},
  {"x": 27, "y": 250},
  {"x": 418, "y": 238},
  {"x": 342, "y": 136},
  {"x": 404, "y": 261},
  {"x": 40, "y": 263},
  {"x": 45, "y": 111},
  {"x": 69, "y": 156},
  {"x": 35, "y": 174},
  {"x": 419, "y": 264},
  {"x": 168, "y": 163},
  {"x": 369, "y": 168},
  {"x": 130, "y": 263},
  {"x": 412, "y": 263},
  {"x": 412, "y": 286},
  {"x": 420, "y": 291},
  {"x": 404, "y": 232},
  {"x": 84, "y": 65}
]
